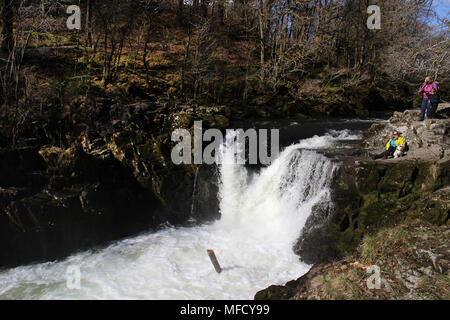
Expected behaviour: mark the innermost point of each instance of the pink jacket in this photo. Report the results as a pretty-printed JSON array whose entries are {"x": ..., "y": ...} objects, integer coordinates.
[{"x": 426, "y": 89}]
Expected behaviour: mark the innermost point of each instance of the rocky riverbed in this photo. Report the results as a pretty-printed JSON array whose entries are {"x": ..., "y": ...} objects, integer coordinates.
[{"x": 389, "y": 221}]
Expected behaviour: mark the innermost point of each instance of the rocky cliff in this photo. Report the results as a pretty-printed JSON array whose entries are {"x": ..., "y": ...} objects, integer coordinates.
[
  {"x": 387, "y": 215},
  {"x": 115, "y": 179}
]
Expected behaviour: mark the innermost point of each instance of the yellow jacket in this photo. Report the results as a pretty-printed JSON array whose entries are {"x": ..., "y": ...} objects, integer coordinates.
[{"x": 399, "y": 141}]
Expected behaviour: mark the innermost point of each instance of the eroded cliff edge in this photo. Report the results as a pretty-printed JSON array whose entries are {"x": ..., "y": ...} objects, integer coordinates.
[
  {"x": 116, "y": 179},
  {"x": 389, "y": 214}
]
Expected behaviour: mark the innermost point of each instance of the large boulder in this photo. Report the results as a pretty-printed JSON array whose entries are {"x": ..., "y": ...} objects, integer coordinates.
[
  {"x": 371, "y": 195},
  {"x": 186, "y": 191}
]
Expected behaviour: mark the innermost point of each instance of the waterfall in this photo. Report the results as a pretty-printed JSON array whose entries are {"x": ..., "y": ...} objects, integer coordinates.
[
  {"x": 274, "y": 203},
  {"x": 262, "y": 214}
]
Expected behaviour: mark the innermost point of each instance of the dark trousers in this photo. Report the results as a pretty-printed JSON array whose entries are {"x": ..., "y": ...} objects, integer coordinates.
[
  {"x": 388, "y": 152},
  {"x": 434, "y": 107},
  {"x": 426, "y": 106}
]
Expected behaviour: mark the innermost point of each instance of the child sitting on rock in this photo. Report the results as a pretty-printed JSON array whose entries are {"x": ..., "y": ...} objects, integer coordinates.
[{"x": 391, "y": 146}]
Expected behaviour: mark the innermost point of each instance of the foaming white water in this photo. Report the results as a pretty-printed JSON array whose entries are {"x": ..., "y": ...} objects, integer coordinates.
[
  {"x": 344, "y": 135},
  {"x": 262, "y": 215},
  {"x": 329, "y": 140}
]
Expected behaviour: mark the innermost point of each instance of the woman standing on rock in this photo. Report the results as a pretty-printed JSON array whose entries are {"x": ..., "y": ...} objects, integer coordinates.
[{"x": 425, "y": 89}]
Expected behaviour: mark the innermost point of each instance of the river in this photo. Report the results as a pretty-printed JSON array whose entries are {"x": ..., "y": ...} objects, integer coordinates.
[{"x": 262, "y": 214}]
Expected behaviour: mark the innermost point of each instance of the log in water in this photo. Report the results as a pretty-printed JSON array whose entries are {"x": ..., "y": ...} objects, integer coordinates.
[{"x": 213, "y": 258}]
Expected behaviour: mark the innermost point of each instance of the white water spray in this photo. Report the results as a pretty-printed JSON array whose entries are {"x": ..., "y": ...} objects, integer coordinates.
[{"x": 262, "y": 215}]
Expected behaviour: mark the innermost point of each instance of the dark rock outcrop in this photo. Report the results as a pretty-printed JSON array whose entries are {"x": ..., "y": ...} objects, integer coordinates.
[
  {"x": 115, "y": 180},
  {"x": 54, "y": 201},
  {"x": 370, "y": 195}
]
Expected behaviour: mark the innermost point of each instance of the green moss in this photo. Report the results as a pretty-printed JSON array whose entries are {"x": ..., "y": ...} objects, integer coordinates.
[
  {"x": 375, "y": 195},
  {"x": 272, "y": 293},
  {"x": 347, "y": 241},
  {"x": 184, "y": 121},
  {"x": 221, "y": 121}
]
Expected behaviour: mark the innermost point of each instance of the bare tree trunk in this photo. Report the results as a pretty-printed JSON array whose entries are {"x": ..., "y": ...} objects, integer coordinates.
[
  {"x": 268, "y": 11},
  {"x": 204, "y": 8},
  {"x": 43, "y": 8},
  {"x": 89, "y": 41},
  {"x": 180, "y": 11},
  {"x": 261, "y": 40},
  {"x": 6, "y": 21},
  {"x": 186, "y": 58},
  {"x": 221, "y": 11}
]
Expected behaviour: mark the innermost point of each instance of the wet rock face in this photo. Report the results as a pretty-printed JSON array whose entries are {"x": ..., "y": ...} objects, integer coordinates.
[
  {"x": 116, "y": 179},
  {"x": 370, "y": 195},
  {"x": 148, "y": 154},
  {"x": 313, "y": 244},
  {"x": 21, "y": 168},
  {"x": 149, "y": 158}
]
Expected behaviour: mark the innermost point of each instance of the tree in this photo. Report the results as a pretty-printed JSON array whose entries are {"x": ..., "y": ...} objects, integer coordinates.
[
  {"x": 115, "y": 21},
  {"x": 180, "y": 11},
  {"x": 261, "y": 38},
  {"x": 204, "y": 8},
  {"x": 6, "y": 21},
  {"x": 89, "y": 15}
]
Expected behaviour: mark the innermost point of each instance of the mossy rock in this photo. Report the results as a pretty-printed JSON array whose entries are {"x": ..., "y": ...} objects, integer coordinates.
[
  {"x": 262, "y": 100},
  {"x": 221, "y": 121},
  {"x": 183, "y": 121},
  {"x": 373, "y": 195},
  {"x": 51, "y": 155},
  {"x": 273, "y": 293},
  {"x": 208, "y": 120}
]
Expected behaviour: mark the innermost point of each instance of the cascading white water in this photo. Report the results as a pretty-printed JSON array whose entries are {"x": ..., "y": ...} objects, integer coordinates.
[{"x": 262, "y": 215}]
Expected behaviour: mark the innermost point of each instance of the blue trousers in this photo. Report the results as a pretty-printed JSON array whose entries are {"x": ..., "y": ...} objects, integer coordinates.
[{"x": 426, "y": 105}]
